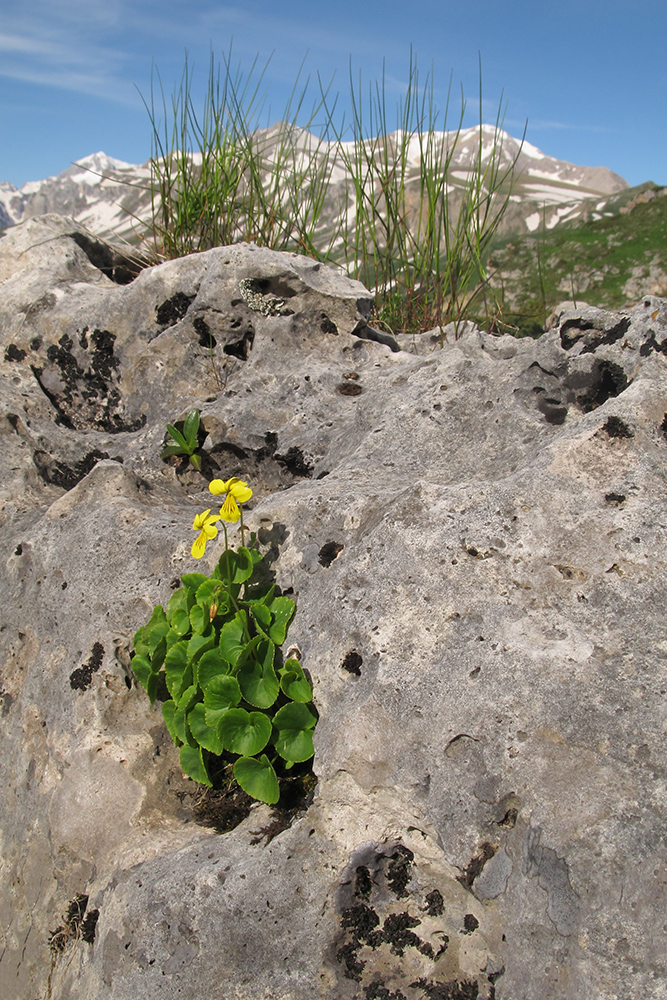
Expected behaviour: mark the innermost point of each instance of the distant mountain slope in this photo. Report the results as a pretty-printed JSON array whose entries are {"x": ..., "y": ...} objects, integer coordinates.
[
  {"x": 113, "y": 199},
  {"x": 614, "y": 253}
]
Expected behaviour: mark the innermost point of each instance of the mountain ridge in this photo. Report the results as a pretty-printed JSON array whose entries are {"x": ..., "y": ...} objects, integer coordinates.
[{"x": 112, "y": 198}]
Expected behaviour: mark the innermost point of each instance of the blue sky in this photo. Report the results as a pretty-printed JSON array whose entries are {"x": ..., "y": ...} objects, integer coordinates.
[{"x": 590, "y": 78}]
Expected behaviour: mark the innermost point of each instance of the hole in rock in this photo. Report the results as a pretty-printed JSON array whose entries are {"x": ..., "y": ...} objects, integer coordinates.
[
  {"x": 119, "y": 266},
  {"x": 349, "y": 389},
  {"x": 329, "y": 552},
  {"x": 241, "y": 348},
  {"x": 206, "y": 338},
  {"x": 616, "y": 498},
  {"x": 606, "y": 380}
]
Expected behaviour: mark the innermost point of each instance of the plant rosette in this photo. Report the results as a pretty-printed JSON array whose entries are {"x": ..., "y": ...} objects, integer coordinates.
[{"x": 213, "y": 659}]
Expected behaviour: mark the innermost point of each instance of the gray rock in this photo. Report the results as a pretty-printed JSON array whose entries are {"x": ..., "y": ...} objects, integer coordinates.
[{"x": 474, "y": 538}]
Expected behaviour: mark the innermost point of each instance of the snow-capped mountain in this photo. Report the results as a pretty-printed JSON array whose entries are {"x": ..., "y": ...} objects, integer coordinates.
[{"x": 113, "y": 199}]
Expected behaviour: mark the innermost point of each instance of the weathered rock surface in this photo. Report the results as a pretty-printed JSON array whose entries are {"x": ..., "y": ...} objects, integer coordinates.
[{"x": 475, "y": 537}]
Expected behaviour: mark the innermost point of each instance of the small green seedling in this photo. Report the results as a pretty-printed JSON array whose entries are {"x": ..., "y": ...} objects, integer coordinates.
[{"x": 187, "y": 440}]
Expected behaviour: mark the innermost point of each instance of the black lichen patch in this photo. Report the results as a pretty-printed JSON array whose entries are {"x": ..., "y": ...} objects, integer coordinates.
[
  {"x": 470, "y": 923},
  {"x": 329, "y": 552},
  {"x": 476, "y": 864},
  {"x": 363, "y": 883},
  {"x": 81, "y": 678},
  {"x": 352, "y": 663},
  {"x": 451, "y": 990},
  {"x": 294, "y": 461},
  {"x": 576, "y": 329},
  {"x": 378, "y": 991},
  {"x": 610, "y": 336},
  {"x": 399, "y": 871},
  {"x": 435, "y": 905},
  {"x": 347, "y": 955},
  {"x": 66, "y": 476},
  {"x": 76, "y": 924},
  {"x": 396, "y": 931},
  {"x": 651, "y": 344},
  {"x": 86, "y": 397},
  {"x": 617, "y": 428},
  {"x": 14, "y": 353},
  {"x": 172, "y": 310},
  {"x": 349, "y": 389},
  {"x": 615, "y": 498},
  {"x": 362, "y": 920}
]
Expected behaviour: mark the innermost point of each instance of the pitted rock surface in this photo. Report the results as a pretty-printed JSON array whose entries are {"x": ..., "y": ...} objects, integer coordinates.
[{"x": 475, "y": 541}]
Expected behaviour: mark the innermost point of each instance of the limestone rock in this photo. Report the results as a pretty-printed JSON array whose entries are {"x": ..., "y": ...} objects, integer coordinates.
[{"x": 474, "y": 536}]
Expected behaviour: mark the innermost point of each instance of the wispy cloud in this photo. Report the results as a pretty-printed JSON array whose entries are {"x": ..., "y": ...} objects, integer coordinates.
[
  {"x": 63, "y": 44},
  {"x": 540, "y": 125}
]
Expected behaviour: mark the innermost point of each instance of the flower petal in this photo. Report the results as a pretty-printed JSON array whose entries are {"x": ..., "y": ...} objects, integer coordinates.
[
  {"x": 240, "y": 491},
  {"x": 229, "y": 510},
  {"x": 198, "y": 546},
  {"x": 200, "y": 520},
  {"x": 217, "y": 486},
  {"x": 209, "y": 529}
]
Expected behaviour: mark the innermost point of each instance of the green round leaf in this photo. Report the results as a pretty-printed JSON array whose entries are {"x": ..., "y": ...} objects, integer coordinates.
[
  {"x": 207, "y": 736},
  {"x": 175, "y": 667},
  {"x": 178, "y": 601},
  {"x": 257, "y": 778},
  {"x": 259, "y": 684},
  {"x": 221, "y": 693},
  {"x": 180, "y": 621},
  {"x": 233, "y": 638},
  {"x": 211, "y": 664},
  {"x": 193, "y": 581},
  {"x": 207, "y": 591},
  {"x": 141, "y": 668},
  {"x": 199, "y": 644},
  {"x": 168, "y": 712},
  {"x": 199, "y": 619},
  {"x": 294, "y": 683},
  {"x": 244, "y": 732},
  {"x": 282, "y": 609},
  {"x": 192, "y": 762},
  {"x": 257, "y": 677},
  {"x": 294, "y": 738}
]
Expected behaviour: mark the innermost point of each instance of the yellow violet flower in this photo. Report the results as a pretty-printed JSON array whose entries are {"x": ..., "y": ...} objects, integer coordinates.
[
  {"x": 205, "y": 524},
  {"x": 236, "y": 492}
]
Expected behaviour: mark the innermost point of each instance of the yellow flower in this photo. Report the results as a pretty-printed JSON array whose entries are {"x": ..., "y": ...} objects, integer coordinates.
[
  {"x": 236, "y": 492},
  {"x": 205, "y": 524}
]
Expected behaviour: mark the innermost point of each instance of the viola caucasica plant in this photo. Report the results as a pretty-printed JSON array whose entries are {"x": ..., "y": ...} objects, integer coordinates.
[{"x": 213, "y": 658}]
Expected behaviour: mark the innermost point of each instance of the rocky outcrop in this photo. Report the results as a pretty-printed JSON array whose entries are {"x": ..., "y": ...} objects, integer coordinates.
[{"x": 473, "y": 532}]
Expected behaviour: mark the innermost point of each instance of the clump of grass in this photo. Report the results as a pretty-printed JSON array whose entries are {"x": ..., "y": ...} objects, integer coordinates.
[
  {"x": 419, "y": 236},
  {"x": 218, "y": 178},
  {"x": 390, "y": 206}
]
